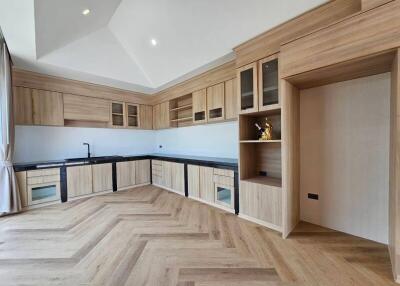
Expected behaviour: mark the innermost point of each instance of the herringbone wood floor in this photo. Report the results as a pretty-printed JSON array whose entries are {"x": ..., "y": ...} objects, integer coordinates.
[{"x": 148, "y": 236}]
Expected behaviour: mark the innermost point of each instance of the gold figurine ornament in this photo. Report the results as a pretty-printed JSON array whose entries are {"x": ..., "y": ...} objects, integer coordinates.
[{"x": 265, "y": 133}]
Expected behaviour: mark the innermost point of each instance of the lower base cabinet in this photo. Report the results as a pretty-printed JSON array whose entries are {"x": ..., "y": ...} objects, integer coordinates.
[
  {"x": 79, "y": 181},
  {"x": 126, "y": 174},
  {"x": 206, "y": 175},
  {"x": 142, "y": 172},
  {"x": 169, "y": 175},
  {"x": 102, "y": 177},
  {"x": 212, "y": 185},
  {"x": 261, "y": 202}
]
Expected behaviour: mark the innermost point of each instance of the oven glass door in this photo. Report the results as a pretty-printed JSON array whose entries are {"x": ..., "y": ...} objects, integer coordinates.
[
  {"x": 224, "y": 195},
  {"x": 41, "y": 193}
]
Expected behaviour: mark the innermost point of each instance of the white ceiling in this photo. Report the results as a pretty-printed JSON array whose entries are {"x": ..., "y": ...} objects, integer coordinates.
[{"x": 112, "y": 46}]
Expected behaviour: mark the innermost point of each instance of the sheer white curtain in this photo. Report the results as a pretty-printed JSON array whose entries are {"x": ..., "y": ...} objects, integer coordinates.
[{"x": 10, "y": 201}]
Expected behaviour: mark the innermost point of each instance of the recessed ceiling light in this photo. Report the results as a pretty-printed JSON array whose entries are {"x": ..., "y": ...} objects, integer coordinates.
[
  {"x": 86, "y": 12},
  {"x": 154, "y": 42}
]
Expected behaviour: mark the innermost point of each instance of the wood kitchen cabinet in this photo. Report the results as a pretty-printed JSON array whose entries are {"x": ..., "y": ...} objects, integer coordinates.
[
  {"x": 216, "y": 102},
  {"x": 164, "y": 115},
  {"x": 200, "y": 106},
  {"x": 38, "y": 107},
  {"x": 161, "y": 115},
  {"x": 206, "y": 176},
  {"x": 194, "y": 181},
  {"x": 84, "y": 108},
  {"x": 156, "y": 117},
  {"x": 47, "y": 107},
  {"x": 23, "y": 110},
  {"x": 118, "y": 114},
  {"x": 126, "y": 174},
  {"x": 178, "y": 177},
  {"x": 102, "y": 177},
  {"x": 132, "y": 115},
  {"x": 268, "y": 77},
  {"x": 231, "y": 100},
  {"x": 79, "y": 181},
  {"x": 142, "y": 169},
  {"x": 146, "y": 117},
  {"x": 248, "y": 88},
  {"x": 22, "y": 185}
]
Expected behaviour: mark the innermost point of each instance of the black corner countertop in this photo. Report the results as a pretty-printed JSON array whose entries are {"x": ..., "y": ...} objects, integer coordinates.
[{"x": 227, "y": 163}]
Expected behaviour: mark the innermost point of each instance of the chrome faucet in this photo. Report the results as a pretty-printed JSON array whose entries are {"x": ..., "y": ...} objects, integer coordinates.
[{"x": 88, "y": 149}]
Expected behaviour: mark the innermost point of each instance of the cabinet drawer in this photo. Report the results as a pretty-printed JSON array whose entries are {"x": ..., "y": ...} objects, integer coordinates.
[
  {"x": 223, "y": 180},
  {"x": 156, "y": 168},
  {"x": 223, "y": 172},
  {"x": 45, "y": 172},
  {"x": 43, "y": 179},
  {"x": 156, "y": 162}
]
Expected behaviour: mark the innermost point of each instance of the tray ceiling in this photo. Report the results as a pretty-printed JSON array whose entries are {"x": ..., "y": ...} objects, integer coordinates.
[{"x": 112, "y": 44}]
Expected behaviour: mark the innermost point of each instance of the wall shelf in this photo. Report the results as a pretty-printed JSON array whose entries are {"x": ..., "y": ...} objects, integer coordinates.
[
  {"x": 182, "y": 119},
  {"x": 189, "y": 106},
  {"x": 269, "y": 181},
  {"x": 260, "y": 141}
]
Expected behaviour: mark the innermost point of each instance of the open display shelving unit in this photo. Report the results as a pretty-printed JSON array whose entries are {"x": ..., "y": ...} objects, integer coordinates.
[
  {"x": 260, "y": 160},
  {"x": 181, "y": 111}
]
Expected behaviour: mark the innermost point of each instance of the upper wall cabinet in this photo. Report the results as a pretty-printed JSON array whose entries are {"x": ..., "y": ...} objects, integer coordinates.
[
  {"x": 118, "y": 113},
  {"x": 83, "y": 108},
  {"x": 132, "y": 115},
  {"x": 38, "y": 107},
  {"x": 231, "y": 99},
  {"x": 146, "y": 117},
  {"x": 23, "y": 110},
  {"x": 268, "y": 83},
  {"x": 47, "y": 108},
  {"x": 200, "y": 106},
  {"x": 248, "y": 88},
  {"x": 216, "y": 102},
  {"x": 258, "y": 86},
  {"x": 161, "y": 115}
]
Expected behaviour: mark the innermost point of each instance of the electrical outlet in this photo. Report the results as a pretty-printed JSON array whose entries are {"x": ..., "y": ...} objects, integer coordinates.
[{"x": 313, "y": 196}]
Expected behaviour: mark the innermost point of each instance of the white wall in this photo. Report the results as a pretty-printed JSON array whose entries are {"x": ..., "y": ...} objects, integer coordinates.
[
  {"x": 36, "y": 143},
  {"x": 344, "y": 153},
  {"x": 214, "y": 140}
]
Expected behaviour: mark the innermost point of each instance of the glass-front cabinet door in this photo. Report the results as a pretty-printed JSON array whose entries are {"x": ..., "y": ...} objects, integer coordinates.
[
  {"x": 269, "y": 83},
  {"x": 224, "y": 196},
  {"x": 248, "y": 91},
  {"x": 41, "y": 193},
  {"x": 132, "y": 114}
]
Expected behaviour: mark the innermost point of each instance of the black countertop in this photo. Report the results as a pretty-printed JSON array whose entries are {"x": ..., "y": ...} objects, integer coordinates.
[{"x": 198, "y": 160}]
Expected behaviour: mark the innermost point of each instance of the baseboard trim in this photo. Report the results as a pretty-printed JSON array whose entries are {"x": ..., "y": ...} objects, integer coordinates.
[{"x": 261, "y": 222}]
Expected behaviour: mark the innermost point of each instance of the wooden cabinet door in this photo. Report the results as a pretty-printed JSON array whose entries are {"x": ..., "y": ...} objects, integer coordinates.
[
  {"x": 23, "y": 110},
  {"x": 156, "y": 117},
  {"x": 126, "y": 174},
  {"x": 164, "y": 115},
  {"x": 84, "y": 108},
  {"x": 231, "y": 100},
  {"x": 146, "y": 117},
  {"x": 194, "y": 181},
  {"x": 142, "y": 172},
  {"x": 248, "y": 88},
  {"x": 166, "y": 174},
  {"x": 47, "y": 107},
  {"x": 178, "y": 177},
  {"x": 200, "y": 106},
  {"x": 79, "y": 181},
  {"x": 102, "y": 177},
  {"x": 207, "y": 184},
  {"x": 268, "y": 82},
  {"x": 215, "y": 102},
  {"x": 22, "y": 185}
]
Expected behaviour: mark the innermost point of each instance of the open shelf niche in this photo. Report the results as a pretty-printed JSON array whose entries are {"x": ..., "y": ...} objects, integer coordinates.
[
  {"x": 181, "y": 111},
  {"x": 260, "y": 161}
]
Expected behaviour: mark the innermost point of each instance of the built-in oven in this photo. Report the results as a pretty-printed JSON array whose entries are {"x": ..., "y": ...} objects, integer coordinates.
[
  {"x": 43, "y": 186},
  {"x": 224, "y": 195}
]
